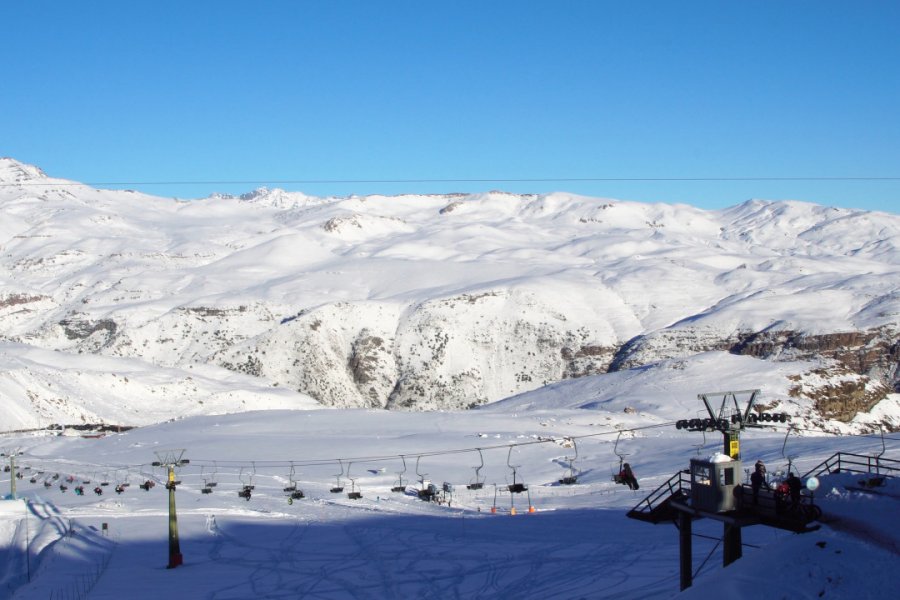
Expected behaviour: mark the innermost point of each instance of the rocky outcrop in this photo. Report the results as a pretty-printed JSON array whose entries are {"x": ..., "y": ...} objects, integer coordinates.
[
  {"x": 90, "y": 335},
  {"x": 874, "y": 353},
  {"x": 837, "y": 393},
  {"x": 872, "y": 357}
]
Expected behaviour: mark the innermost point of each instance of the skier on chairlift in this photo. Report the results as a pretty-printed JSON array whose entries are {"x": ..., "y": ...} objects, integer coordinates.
[{"x": 628, "y": 477}]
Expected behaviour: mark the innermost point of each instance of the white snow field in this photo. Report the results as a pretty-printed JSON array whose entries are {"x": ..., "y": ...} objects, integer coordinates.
[
  {"x": 419, "y": 302},
  {"x": 264, "y": 335},
  {"x": 578, "y": 542}
]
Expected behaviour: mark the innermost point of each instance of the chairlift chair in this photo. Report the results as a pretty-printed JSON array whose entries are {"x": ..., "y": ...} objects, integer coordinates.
[
  {"x": 617, "y": 476},
  {"x": 353, "y": 494},
  {"x": 788, "y": 458},
  {"x": 247, "y": 486},
  {"x": 209, "y": 482},
  {"x": 572, "y": 477},
  {"x": 400, "y": 487},
  {"x": 426, "y": 491},
  {"x": 514, "y": 487},
  {"x": 338, "y": 486},
  {"x": 292, "y": 485},
  {"x": 478, "y": 482}
]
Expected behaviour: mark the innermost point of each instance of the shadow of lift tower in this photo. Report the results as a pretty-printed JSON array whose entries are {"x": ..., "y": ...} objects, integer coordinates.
[{"x": 711, "y": 488}]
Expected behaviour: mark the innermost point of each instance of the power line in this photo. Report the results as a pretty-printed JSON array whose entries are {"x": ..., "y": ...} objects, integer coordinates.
[
  {"x": 271, "y": 464},
  {"x": 444, "y": 180}
]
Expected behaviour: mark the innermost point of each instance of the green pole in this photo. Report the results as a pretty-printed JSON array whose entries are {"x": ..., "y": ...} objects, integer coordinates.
[
  {"x": 12, "y": 476},
  {"x": 175, "y": 558}
]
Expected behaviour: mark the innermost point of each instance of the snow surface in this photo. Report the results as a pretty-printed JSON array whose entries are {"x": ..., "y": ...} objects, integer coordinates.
[
  {"x": 577, "y": 544},
  {"x": 500, "y": 281},
  {"x": 439, "y": 301}
]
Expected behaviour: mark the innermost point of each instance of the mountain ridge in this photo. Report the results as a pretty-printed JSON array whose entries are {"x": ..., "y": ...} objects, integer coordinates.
[{"x": 445, "y": 301}]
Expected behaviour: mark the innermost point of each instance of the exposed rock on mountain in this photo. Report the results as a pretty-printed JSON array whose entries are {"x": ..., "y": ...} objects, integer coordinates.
[{"x": 433, "y": 302}]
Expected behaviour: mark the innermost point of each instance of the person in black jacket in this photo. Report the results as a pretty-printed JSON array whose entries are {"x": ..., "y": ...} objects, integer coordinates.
[
  {"x": 758, "y": 480},
  {"x": 794, "y": 484},
  {"x": 628, "y": 477}
]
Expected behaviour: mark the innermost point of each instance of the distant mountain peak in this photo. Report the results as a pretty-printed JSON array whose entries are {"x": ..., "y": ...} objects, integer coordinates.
[{"x": 13, "y": 171}]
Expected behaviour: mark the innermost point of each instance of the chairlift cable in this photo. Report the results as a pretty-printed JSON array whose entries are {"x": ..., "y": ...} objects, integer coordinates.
[{"x": 78, "y": 466}]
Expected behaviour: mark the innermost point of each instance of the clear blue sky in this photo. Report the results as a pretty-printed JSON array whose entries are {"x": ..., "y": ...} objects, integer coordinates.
[{"x": 222, "y": 90}]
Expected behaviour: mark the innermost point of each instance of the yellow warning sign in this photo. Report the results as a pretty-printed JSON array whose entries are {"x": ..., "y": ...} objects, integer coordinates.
[{"x": 734, "y": 448}]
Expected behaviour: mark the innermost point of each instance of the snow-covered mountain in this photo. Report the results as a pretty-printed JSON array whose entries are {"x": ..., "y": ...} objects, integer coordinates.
[{"x": 437, "y": 301}]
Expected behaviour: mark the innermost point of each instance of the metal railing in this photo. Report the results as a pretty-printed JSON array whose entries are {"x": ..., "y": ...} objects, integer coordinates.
[
  {"x": 679, "y": 482},
  {"x": 847, "y": 462}
]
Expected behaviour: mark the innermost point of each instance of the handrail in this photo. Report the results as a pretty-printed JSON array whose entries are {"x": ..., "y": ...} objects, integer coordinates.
[
  {"x": 856, "y": 463},
  {"x": 679, "y": 482}
]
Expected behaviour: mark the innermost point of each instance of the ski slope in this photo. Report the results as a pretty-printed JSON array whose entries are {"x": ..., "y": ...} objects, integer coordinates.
[{"x": 576, "y": 544}]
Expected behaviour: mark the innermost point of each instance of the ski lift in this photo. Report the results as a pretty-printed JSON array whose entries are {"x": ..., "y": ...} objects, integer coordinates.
[
  {"x": 788, "y": 458},
  {"x": 353, "y": 494},
  {"x": 514, "y": 487},
  {"x": 702, "y": 444},
  {"x": 400, "y": 488},
  {"x": 338, "y": 486},
  {"x": 47, "y": 483},
  {"x": 105, "y": 481},
  {"x": 147, "y": 485},
  {"x": 617, "y": 476},
  {"x": 427, "y": 491},
  {"x": 478, "y": 482},
  {"x": 293, "y": 492},
  {"x": 63, "y": 487},
  {"x": 292, "y": 485},
  {"x": 33, "y": 479},
  {"x": 572, "y": 477},
  {"x": 209, "y": 482},
  {"x": 247, "y": 486},
  {"x": 123, "y": 481}
]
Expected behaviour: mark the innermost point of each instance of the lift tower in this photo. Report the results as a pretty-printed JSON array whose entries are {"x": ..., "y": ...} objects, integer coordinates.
[
  {"x": 171, "y": 459},
  {"x": 713, "y": 482}
]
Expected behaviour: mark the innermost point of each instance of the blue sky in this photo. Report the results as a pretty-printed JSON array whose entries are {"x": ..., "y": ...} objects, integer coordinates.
[{"x": 258, "y": 92}]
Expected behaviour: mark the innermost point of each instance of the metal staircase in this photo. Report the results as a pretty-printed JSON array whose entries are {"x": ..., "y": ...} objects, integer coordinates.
[{"x": 656, "y": 507}]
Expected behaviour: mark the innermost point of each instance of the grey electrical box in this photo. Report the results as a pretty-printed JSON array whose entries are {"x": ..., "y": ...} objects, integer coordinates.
[{"x": 713, "y": 481}]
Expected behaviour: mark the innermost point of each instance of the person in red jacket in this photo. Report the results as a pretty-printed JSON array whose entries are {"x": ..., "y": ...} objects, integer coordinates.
[{"x": 627, "y": 476}]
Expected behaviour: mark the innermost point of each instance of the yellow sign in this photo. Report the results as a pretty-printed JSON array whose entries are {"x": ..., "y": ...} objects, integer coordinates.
[{"x": 734, "y": 448}]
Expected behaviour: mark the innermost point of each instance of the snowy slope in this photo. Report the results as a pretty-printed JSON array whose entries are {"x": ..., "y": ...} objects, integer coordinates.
[
  {"x": 578, "y": 542},
  {"x": 427, "y": 302}
]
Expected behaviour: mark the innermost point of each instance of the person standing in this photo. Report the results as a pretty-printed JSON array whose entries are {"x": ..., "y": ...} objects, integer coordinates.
[
  {"x": 794, "y": 484},
  {"x": 758, "y": 480}
]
